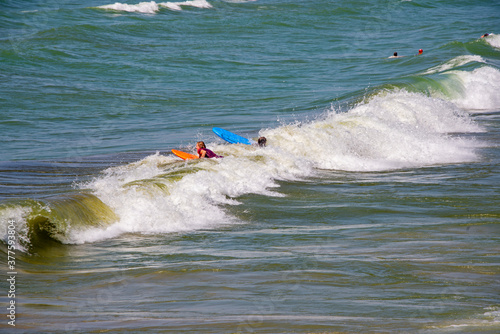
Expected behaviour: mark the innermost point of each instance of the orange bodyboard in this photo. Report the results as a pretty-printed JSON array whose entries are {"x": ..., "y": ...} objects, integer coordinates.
[{"x": 184, "y": 155}]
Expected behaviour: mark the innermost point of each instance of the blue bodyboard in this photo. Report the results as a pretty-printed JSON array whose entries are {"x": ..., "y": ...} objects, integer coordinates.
[{"x": 231, "y": 137}]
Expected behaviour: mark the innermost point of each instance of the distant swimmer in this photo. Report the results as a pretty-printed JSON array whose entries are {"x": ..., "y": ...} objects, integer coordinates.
[
  {"x": 395, "y": 55},
  {"x": 204, "y": 152},
  {"x": 485, "y": 35},
  {"x": 420, "y": 51}
]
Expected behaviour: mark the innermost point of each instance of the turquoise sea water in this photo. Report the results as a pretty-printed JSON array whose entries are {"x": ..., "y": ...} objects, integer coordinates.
[{"x": 374, "y": 207}]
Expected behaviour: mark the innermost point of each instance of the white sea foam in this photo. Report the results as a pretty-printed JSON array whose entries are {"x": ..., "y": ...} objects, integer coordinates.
[
  {"x": 142, "y": 7},
  {"x": 161, "y": 194},
  {"x": 475, "y": 91},
  {"x": 15, "y": 220},
  {"x": 152, "y": 7},
  {"x": 454, "y": 63},
  {"x": 394, "y": 130},
  {"x": 178, "y": 5}
]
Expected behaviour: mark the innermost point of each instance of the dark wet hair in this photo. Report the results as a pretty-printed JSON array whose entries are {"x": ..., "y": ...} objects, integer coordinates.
[
  {"x": 262, "y": 141},
  {"x": 395, "y": 54}
]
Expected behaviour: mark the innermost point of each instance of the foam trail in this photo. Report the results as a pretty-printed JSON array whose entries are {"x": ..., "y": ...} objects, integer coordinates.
[
  {"x": 152, "y": 7},
  {"x": 391, "y": 131},
  {"x": 475, "y": 91}
]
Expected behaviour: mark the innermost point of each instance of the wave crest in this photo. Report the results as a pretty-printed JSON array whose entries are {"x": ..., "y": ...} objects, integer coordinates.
[{"x": 153, "y": 7}]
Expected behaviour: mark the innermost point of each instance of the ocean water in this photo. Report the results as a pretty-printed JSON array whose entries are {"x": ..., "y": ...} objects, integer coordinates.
[{"x": 374, "y": 207}]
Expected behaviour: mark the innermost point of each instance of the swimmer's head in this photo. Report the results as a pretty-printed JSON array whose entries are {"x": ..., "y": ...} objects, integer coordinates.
[{"x": 262, "y": 141}]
